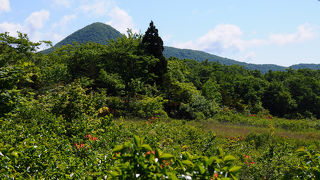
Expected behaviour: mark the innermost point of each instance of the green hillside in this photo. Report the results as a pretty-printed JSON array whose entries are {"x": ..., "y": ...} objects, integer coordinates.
[
  {"x": 306, "y": 66},
  {"x": 200, "y": 56},
  {"x": 95, "y": 32}
]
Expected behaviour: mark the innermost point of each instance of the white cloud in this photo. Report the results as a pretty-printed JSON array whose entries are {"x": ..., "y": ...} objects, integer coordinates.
[
  {"x": 249, "y": 56},
  {"x": 11, "y": 28},
  {"x": 117, "y": 17},
  {"x": 31, "y": 26},
  {"x": 59, "y": 27},
  {"x": 5, "y": 6},
  {"x": 34, "y": 23},
  {"x": 64, "y": 21},
  {"x": 34, "y": 36},
  {"x": 64, "y": 3},
  {"x": 222, "y": 37},
  {"x": 304, "y": 32},
  {"x": 56, "y": 37},
  {"x": 229, "y": 38},
  {"x": 121, "y": 20},
  {"x": 37, "y": 19},
  {"x": 97, "y": 8},
  {"x": 167, "y": 38}
]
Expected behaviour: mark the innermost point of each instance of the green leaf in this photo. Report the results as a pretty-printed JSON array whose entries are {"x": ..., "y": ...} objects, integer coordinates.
[
  {"x": 189, "y": 155},
  {"x": 180, "y": 164},
  {"x": 137, "y": 141},
  {"x": 147, "y": 147},
  {"x": 309, "y": 154},
  {"x": 124, "y": 165},
  {"x": 166, "y": 156},
  {"x": 15, "y": 154},
  {"x": 212, "y": 159},
  {"x": 158, "y": 153},
  {"x": 118, "y": 148},
  {"x": 221, "y": 153},
  {"x": 188, "y": 163},
  {"x": 172, "y": 176},
  {"x": 301, "y": 149},
  {"x": 206, "y": 159},
  {"x": 235, "y": 169},
  {"x": 229, "y": 158},
  {"x": 114, "y": 174},
  {"x": 234, "y": 177},
  {"x": 201, "y": 169}
]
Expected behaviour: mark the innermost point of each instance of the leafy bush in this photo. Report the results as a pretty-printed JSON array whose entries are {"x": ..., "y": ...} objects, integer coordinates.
[
  {"x": 309, "y": 165},
  {"x": 185, "y": 101},
  {"x": 139, "y": 161},
  {"x": 149, "y": 107},
  {"x": 112, "y": 82}
]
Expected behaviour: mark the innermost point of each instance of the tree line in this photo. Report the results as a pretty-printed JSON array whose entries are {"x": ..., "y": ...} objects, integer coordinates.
[{"x": 132, "y": 77}]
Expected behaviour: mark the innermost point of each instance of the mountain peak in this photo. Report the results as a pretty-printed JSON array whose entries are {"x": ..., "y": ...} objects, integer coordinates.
[{"x": 96, "y": 32}]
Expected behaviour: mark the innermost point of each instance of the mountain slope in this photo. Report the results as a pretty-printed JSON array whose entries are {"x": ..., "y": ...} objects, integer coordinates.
[
  {"x": 306, "y": 66},
  {"x": 95, "y": 32},
  {"x": 101, "y": 33},
  {"x": 200, "y": 56}
]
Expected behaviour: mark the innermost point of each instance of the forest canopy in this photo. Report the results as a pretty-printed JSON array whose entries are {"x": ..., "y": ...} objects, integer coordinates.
[{"x": 133, "y": 74}]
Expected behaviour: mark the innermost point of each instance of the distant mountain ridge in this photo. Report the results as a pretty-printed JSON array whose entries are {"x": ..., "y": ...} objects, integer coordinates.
[
  {"x": 101, "y": 33},
  {"x": 200, "y": 56},
  {"x": 96, "y": 32}
]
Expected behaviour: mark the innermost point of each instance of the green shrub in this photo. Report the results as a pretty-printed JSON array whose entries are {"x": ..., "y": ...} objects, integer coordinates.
[
  {"x": 136, "y": 160},
  {"x": 149, "y": 107},
  {"x": 309, "y": 164},
  {"x": 117, "y": 105}
]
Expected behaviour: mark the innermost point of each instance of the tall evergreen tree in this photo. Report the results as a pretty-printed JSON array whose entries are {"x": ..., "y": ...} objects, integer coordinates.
[{"x": 153, "y": 45}]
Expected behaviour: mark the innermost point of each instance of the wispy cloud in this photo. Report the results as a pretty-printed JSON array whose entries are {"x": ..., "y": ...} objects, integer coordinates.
[
  {"x": 304, "y": 32},
  {"x": 64, "y": 3},
  {"x": 96, "y": 7},
  {"x": 249, "y": 57},
  {"x": 12, "y": 28},
  {"x": 32, "y": 25},
  {"x": 36, "y": 20},
  {"x": 121, "y": 20},
  {"x": 229, "y": 38},
  {"x": 167, "y": 38},
  {"x": 5, "y": 6},
  {"x": 64, "y": 21},
  {"x": 60, "y": 27},
  {"x": 218, "y": 39},
  {"x": 115, "y": 16}
]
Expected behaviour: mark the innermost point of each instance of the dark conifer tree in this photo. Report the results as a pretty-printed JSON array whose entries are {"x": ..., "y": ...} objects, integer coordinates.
[{"x": 153, "y": 45}]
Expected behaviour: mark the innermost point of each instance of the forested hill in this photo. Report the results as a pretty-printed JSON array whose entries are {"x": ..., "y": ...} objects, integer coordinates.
[
  {"x": 200, "y": 56},
  {"x": 95, "y": 32},
  {"x": 306, "y": 66},
  {"x": 101, "y": 33}
]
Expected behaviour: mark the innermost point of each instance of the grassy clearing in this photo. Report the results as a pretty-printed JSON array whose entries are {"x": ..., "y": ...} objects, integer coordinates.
[
  {"x": 226, "y": 130},
  {"x": 260, "y": 126}
]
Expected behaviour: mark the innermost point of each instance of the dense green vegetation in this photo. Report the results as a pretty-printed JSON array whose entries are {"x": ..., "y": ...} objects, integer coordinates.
[
  {"x": 57, "y": 114},
  {"x": 101, "y": 33}
]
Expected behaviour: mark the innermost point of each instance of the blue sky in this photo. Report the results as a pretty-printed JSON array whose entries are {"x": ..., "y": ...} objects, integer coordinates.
[{"x": 282, "y": 32}]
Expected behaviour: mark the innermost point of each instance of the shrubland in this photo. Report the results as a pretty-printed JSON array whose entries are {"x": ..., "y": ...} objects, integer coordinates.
[{"x": 123, "y": 111}]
